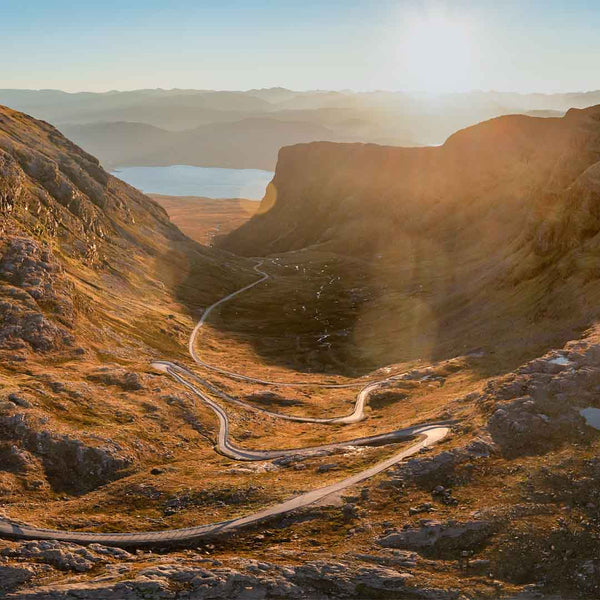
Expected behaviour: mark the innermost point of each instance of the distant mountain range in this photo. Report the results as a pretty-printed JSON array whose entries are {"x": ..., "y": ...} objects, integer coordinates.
[
  {"x": 246, "y": 129},
  {"x": 248, "y": 143}
]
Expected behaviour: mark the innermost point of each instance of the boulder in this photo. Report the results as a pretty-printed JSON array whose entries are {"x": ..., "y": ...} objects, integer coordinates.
[
  {"x": 439, "y": 538},
  {"x": 327, "y": 467},
  {"x": 60, "y": 555},
  {"x": 19, "y": 400}
]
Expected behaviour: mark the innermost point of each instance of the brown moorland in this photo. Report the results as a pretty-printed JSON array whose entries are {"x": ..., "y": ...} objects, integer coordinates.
[
  {"x": 203, "y": 218},
  {"x": 97, "y": 283}
]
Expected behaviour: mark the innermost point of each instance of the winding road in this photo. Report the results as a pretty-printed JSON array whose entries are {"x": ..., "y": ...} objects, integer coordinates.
[
  {"x": 227, "y": 448},
  {"x": 193, "y": 337},
  {"x": 424, "y": 435}
]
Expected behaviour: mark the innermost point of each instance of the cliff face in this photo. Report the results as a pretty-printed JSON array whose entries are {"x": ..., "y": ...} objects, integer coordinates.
[
  {"x": 490, "y": 240},
  {"x": 487, "y": 184}
]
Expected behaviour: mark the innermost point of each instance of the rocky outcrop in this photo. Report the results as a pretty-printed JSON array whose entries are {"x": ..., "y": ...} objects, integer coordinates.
[
  {"x": 440, "y": 539},
  {"x": 23, "y": 326},
  {"x": 36, "y": 308},
  {"x": 12, "y": 577},
  {"x": 16, "y": 460},
  {"x": 26, "y": 264},
  {"x": 537, "y": 408},
  {"x": 438, "y": 470},
  {"x": 126, "y": 380},
  {"x": 30, "y": 560},
  {"x": 523, "y": 427},
  {"x": 69, "y": 463},
  {"x": 60, "y": 555},
  {"x": 224, "y": 496},
  {"x": 265, "y": 581}
]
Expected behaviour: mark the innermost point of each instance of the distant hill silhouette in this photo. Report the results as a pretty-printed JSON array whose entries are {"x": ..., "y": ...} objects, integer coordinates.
[
  {"x": 249, "y": 143},
  {"x": 247, "y": 128}
]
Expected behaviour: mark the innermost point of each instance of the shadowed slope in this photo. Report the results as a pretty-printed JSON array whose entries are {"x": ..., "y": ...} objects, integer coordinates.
[{"x": 488, "y": 240}]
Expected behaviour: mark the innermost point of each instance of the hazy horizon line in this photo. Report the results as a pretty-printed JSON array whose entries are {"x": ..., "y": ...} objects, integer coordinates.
[{"x": 307, "y": 91}]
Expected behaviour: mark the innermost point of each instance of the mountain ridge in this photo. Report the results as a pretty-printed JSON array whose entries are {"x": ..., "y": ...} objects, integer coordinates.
[
  {"x": 488, "y": 241},
  {"x": 525, "y": 148},
  {"x": 228, "y": 144}
]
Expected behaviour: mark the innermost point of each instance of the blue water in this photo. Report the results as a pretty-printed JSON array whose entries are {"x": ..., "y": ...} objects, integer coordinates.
[
  {"x": 183, "y": 180},
  {"x": 592, "y": 416}
]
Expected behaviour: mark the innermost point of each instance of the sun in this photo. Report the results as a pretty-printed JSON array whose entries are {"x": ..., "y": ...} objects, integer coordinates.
[{"x": 437, "y": 54}]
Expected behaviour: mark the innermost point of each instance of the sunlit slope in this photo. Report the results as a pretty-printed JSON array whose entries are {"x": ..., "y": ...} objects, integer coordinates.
[{"x": 95, "y": 283}]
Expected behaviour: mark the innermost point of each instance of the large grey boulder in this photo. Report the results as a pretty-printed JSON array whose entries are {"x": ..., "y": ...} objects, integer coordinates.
[{"x": 439, "y": 538}]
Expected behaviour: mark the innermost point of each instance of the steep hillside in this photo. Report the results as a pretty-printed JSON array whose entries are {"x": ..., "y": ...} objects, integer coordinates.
[
  {"x": 94, "y": 282},
  {"x": 489, "y": 240}
]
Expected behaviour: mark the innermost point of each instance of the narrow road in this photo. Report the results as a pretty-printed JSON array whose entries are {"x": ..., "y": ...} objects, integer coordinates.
[
  {"x": 426, "y": 435},
  {"x": 192, "y": 346},
  {"x": 227, "y": 448},
  {"x": 429, "y": 436},
  {"x": 358, "y": 414}
]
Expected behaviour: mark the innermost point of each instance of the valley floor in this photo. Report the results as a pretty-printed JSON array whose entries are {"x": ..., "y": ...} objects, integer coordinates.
[{"x": 204, "y": 218}]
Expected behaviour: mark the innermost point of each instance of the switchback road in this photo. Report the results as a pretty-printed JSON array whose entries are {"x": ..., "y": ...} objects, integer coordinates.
[{"x": 424, "y": 436}]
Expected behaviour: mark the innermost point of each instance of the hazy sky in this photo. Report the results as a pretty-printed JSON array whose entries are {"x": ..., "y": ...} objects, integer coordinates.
[{"x": 526, "y": 45}]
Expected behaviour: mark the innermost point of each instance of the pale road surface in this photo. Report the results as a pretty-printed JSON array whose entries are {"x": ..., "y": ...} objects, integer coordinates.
[
  {"x": 226, "y": 447},
  {"x": 426, "y": 435}
]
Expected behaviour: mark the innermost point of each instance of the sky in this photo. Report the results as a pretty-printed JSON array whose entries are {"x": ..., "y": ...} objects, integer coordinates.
[{"x": 404, "y": 45}]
